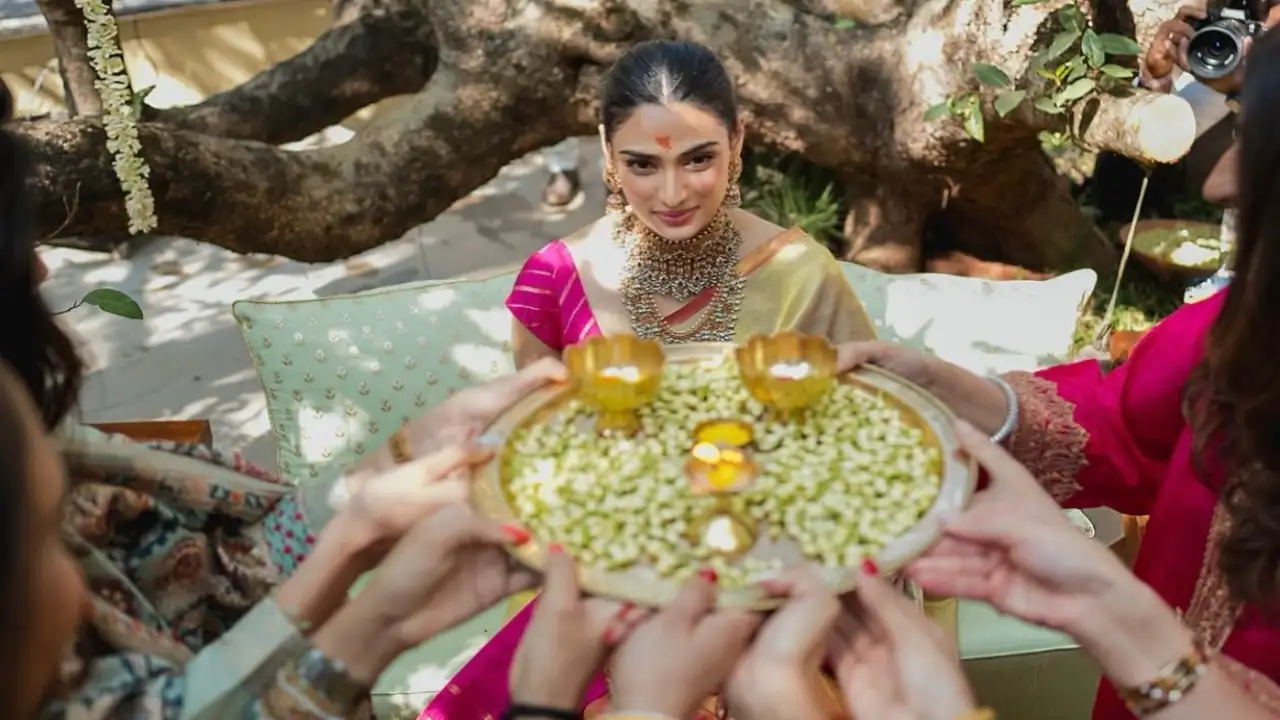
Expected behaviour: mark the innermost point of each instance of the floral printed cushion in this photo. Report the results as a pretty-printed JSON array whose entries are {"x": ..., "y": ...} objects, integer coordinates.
[
  {"x": 342, "y": 373},
  {"x": 986, "y": 326}
]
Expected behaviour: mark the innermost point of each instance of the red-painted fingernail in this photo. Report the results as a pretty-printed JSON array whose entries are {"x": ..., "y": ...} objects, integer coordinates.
[
  {"x": 516, "y": 534},
  {"x": 869, "y": 567},
  {"x": 709, "y": 575},
  {"x": 555, "y": 548}
]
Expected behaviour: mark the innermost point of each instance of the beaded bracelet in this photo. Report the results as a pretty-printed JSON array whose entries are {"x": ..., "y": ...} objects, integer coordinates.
[{"x": 1170, "y": 685}]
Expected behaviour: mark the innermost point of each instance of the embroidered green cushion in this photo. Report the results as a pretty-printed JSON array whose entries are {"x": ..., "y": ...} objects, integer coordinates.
[{"x": 342, "y": 373}]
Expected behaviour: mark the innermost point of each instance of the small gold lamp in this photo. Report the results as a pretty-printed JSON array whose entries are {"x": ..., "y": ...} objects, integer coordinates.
[
  {"x": 787, "y": 372},
  {"x": 617, "y": 375}
]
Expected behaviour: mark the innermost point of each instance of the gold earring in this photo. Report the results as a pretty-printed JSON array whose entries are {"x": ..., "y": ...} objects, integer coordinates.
[
  {"x": 733, "y": 196},
  {"x": 615, "y": 203}
]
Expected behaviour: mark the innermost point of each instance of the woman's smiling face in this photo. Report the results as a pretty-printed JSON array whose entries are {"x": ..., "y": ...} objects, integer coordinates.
[{"x": 673, "y": 162}]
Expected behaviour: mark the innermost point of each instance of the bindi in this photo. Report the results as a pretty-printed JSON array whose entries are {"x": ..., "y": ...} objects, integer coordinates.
[{"x": 664, "y": 141}]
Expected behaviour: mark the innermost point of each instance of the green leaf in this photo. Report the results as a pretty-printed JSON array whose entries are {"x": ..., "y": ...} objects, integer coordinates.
[
  {"x": 990, "y": 75},
  {"x": 1091, "y": 46},
  {"x": 1078, "y": 67},
  {"x": 1047, "y": 74},
  {"x": 1116, "y": 71},
  {"x": 1071, "y": 18},
  {"x": 113, "y": 302},
  {"x": 1018, "y": 3},
  {"x": 1046, "y": 105},
  {"x": 1061, "y": 43},
  {"x": 973, "y": 123},
  {"x": 1114, "y": 44},
  {"x": 1075, "y": 91},
  {"x": 844, "y": 23},
  {"x": 937, "y": 112},
  {"x": 1008, "y": 100},
  {"x": 138, "y": 100}
]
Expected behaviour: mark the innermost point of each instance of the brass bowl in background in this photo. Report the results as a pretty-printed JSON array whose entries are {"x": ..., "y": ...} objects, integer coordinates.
[
  {"x": 617, "y": 375},
  {"x": 787, "y": 372}
]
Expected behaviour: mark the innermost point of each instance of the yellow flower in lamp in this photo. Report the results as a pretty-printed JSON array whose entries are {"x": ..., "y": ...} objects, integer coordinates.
[
  {"x": 724, "y": 433},
  {"x": 713, "y": 470},
  {"x": 787, "y": 372},
  {"x": 718, "y": 469},
  {"x": 617, "y": 375}
]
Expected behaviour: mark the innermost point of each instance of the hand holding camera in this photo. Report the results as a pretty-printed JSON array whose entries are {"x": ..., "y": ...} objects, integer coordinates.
[
  {"x": 1215, "y": 54},
  {"x": 1169, "y": 46},
  {"x": 1209, "y": 44}
]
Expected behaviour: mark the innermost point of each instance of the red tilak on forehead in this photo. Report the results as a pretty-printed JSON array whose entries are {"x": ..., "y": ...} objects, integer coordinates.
[{"x": 663, "y": 141}]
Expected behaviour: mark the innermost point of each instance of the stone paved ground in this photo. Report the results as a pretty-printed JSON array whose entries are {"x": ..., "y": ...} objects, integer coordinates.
[{"x": 187, "y": 359}]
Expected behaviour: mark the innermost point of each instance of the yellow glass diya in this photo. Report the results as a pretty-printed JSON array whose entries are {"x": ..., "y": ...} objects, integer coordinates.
[
  {"x": 719, "y": 465},
  {"x": 787, "y": 372},
  {"x": 617, "y": 375},
  {"x": 731, "y": 433}
]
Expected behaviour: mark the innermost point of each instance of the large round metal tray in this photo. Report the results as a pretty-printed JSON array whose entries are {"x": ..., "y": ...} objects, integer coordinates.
[{"x": 643, "y": 586}]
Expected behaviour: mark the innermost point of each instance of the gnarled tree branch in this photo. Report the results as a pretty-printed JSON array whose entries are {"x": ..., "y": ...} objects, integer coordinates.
[
  {"x": 515, "y": 75},
  {"x": 384, "y": 52},
  {"x": 313, "y": 205}
]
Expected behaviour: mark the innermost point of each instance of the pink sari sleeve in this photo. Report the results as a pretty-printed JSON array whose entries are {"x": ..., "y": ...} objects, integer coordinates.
[
  {"x": 534, "y": 300},
  {"x": 549, "y": 299},
  {"x": 1105, "y": 439}
]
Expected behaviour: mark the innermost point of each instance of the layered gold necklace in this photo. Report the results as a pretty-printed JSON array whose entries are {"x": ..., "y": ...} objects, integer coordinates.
[{"x": 681, "y": 270}]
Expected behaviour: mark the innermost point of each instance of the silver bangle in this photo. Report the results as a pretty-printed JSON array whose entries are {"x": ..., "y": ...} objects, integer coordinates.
[{"x": 1011, "y": 414}]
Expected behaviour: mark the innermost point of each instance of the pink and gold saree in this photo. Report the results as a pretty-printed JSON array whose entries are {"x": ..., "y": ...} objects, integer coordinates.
[{"x": 793, "y": 283}]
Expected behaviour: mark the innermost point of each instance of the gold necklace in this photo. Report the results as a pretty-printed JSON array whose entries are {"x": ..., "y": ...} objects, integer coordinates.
[{"x": 657, "y": 266}]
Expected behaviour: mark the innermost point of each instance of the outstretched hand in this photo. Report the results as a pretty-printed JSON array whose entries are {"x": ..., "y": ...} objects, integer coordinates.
[
  {"x": 682, "y": 654},
  {"x": 1014, "y": 549},
  {"x": 893, "y": 663},
  {"x": 779, "y": 677},
  {"x": 567, "y": 638}
]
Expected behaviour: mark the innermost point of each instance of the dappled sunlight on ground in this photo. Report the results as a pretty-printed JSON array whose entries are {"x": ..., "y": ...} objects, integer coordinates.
[{"x": 187, "y": 358}]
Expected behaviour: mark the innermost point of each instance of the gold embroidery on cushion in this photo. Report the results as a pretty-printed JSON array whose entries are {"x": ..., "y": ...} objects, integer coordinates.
[
  {"x": 1211, "y": 612},
  {"x": 1047, "y": 439}
]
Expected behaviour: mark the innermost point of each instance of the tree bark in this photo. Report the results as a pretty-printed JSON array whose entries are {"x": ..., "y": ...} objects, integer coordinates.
[
  {"x": 311, "y": 206},
  {"x": 71, "y": 46},
  {"x": 511, "y": 76},
  {"x": 378, "y": 53}
]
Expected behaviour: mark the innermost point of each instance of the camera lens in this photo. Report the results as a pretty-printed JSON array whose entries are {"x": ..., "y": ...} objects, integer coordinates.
[{"x": 1215, "y": 51}]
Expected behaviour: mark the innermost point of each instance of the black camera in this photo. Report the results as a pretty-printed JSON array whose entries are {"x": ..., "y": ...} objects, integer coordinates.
[{"x": 1217, "y": 48}]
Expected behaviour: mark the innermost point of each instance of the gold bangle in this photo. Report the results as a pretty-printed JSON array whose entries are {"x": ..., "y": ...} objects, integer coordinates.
[
  {"x": 398, "y": 444},
  {"x": 983, "y": 713},
  {"x": 1170, "y": 685}
]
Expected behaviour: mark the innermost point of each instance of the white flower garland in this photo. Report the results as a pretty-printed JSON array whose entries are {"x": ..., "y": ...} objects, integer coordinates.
[{"x": 118, "y": 120}]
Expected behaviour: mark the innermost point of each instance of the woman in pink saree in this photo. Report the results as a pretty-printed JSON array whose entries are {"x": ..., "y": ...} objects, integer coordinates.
[{"x": 674, "y": 259}]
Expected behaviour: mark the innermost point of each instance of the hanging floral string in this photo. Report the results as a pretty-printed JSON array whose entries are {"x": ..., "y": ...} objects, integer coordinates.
[{"x": 119, "y": 119}]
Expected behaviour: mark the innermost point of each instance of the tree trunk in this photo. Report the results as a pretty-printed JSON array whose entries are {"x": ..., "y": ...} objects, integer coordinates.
[
  {"x": 498, "y": 78},
  {"x": 71, "y": 46}
]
